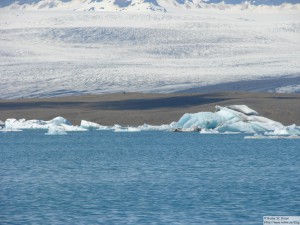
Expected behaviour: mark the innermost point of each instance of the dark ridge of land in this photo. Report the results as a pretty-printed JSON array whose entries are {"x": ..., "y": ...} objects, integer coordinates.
[{"x": 140, "y": 108}]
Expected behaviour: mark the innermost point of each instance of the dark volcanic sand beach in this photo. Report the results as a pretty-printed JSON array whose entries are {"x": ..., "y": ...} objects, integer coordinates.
[{"x": 139, "y": 108}]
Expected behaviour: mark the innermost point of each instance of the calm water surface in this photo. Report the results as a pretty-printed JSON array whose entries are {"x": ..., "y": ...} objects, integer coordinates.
[{"x": 146, "y": 178}]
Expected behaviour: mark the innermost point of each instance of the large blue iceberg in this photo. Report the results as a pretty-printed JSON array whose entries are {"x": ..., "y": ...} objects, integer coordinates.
[{"x": 236, "y": 118}]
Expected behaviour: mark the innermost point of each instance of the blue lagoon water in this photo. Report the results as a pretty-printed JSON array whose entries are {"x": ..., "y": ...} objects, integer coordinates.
[{"x": 146, "y": 178}]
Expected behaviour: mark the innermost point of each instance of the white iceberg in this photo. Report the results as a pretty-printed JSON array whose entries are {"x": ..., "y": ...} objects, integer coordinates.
[
  {"x": 56, "y": 130},
  {"x": 119, "y": 128},
  {"x": 59, "y": 121},
  {"x": 93, "y": 126},
  {"x": 133, "y": 129},
  {"x": 71, "y": 128},
  {"x": 164, "y": 127},
  {"x": 204, "y": 131},
  {"x": 284, "y": 131},
  {"x": 23, "y": 124},
  {"x": 127, "y": 129}
]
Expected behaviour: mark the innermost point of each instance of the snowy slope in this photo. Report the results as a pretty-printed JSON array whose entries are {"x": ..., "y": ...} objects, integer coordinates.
[{"x": 51, "y": 53}]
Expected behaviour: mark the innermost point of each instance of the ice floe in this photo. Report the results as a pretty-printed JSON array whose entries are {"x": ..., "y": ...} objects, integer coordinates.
[
  {"x": 127, "y": 129},
  {"x": 56, "y": 130},
  {"x": 5, "y": 130},
  {"x": 164, "y": 127},
  {"x": 25, "y": 124},
  {"x": 35, "y": 124},
  {"x": 59, "y": 121},
  {"x": 93, "y": 126},
  {"x": 259, "y": 136},
  {"x": 285, "y": 131},
  {"x": 56, "y": 123},
  {"x": 209, "y": 131},
  {"x": 71, "y": 128}
]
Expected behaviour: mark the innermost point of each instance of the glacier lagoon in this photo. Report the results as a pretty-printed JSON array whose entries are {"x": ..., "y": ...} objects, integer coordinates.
[{"x": 152, "y": 177}]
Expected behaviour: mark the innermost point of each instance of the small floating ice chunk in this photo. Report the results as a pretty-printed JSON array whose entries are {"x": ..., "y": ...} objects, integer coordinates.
[
  {"x": 272, "y": 137},
  {"x": 133, "y": 129},
  {"x": 56, "y": 130},
  {"x": 117, "y": 126},
  {"x": 59, "y": 121},
  {"x": 71, "y": 128},
  {"x": 4, "y": 130},
  {"x": 204, "y": 131},
  {"x": 229, "y": 132},
  {"x": 25, "y": 124},
  {"x": 127, "y": 129},
  {"x": 284, "y": 131},
  {"x": 93, "y": 126},
  {"x": 120, "y": 130},
  {"x": 35, "y": 124},
  {"x": 164, "y": 127}
]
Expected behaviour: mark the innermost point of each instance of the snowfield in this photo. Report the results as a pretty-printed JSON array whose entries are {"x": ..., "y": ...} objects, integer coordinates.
[{"x": 46, "y": 53}]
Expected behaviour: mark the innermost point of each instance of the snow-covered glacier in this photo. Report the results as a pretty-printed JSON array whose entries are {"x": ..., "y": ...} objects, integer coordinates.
[
  {"x": 225, "y": 120},
  {"x": 46, "y": 53}
]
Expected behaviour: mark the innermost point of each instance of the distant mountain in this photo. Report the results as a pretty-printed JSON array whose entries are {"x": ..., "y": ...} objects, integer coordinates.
[
  {"x": 256, "y": 2},
  {"x": 133, "y": 5}
]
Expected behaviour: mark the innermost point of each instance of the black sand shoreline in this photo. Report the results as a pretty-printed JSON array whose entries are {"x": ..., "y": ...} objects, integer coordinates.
[{"x": 139, "y": 108}]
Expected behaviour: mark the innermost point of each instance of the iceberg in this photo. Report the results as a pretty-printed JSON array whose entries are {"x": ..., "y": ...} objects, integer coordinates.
[
  {"x": 201, "y": 120},
  {"x": 59, "y": 121},
  {"x": 93, "y": 126},
  {"x": 164, "y": 127},
  {"x": 133, "y": 129},
  {"x": 71, "y": 128},
  {"x": 234, "y": 118},
  {"x": 127, "y": 129},
  {"x": 56, "y": 130},
  {"x": 23, "y": 124},
  {"x": 284, "y": 131}
]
